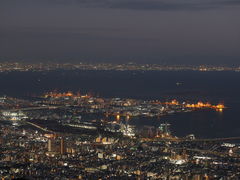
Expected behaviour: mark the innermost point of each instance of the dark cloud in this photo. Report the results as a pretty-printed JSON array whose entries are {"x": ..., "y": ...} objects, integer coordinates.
[
  {"x": 150, "y": 30},
  {"x": 137, "y": 4},
  {"x": 155, "y": 4},
  {"x": 173, "y": 4}
]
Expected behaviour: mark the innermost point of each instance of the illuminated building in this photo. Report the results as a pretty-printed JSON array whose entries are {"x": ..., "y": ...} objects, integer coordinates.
[
  {"x": 62, "y": 146},
  {"x": 100, "y": 155},
  {"x": 128, "y": 130},
  {"x": 118, "y": 117},
  {"x": 49, "y": 145},
  {"x": 14, "y": 116},
  {"x": 190, "y": 137},
  {"x": 118, "y": 157},
  {"x": 98, "y": 139},
  {"x": 164, "y": 128},
  {"x": 104, "y": 140}
]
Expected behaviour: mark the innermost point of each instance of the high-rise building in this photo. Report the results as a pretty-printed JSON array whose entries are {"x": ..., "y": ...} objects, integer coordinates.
[
  {"x": 164, "y": 128},
  {"x": 62, "y": 146},
  {"x": 49, "y": 145}
]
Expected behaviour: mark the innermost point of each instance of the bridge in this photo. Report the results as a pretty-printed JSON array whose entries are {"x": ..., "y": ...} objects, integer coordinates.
[
  {"x": 32, "y": 108},
  {"x": 39, "y": 127},
  {"x": 173, "y": 139},
  {"x": 215, "y": 139},
  {"x": 205, "y": 151}
]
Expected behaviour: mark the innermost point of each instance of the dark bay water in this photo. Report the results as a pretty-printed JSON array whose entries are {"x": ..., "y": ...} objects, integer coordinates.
[{"x": 214, "y": 87}]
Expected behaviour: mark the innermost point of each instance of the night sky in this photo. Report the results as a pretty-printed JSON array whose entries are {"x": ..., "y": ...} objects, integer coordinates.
[{"x": 144, "y": 31}]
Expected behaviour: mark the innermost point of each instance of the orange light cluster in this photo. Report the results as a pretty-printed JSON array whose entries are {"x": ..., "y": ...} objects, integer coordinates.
[
  {"x": 218, "y": 107},
  {"x": 173, "y": 102},
  {"x": 64, "y": 94},
  {"x": 55, "y": 94},
  {"x": 199, "y": 105},
  {"x": 50, "y": 135}
]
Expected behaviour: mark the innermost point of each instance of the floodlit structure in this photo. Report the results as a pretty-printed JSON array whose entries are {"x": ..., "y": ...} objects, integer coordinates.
[{"x": 14, "y": 115}]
